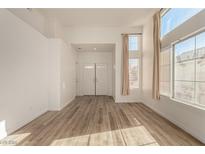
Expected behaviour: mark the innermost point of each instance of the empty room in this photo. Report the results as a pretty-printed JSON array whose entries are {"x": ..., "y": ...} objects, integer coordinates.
[{"x": 102, "y": 76}]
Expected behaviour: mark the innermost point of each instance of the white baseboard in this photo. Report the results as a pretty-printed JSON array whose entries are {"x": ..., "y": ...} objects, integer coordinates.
[{"x": 67, "y": 102}]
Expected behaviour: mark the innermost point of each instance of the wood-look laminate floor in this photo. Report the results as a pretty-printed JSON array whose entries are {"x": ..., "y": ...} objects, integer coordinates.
[{"x": 90, "y": 120}]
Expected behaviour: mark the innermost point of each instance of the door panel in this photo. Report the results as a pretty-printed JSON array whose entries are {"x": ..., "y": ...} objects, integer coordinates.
[
  {"x": 88, "y": 80},
  {"x": 101, "y": 79}
]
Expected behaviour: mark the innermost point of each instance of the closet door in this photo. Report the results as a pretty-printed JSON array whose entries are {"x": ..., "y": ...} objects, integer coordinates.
[
  {"x": 101, "y": 79},
  {"x": 88, "y": 79}
]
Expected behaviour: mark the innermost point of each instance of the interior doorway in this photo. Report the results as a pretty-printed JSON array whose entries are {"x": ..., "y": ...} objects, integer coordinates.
[{"x": 95, "y": 69}]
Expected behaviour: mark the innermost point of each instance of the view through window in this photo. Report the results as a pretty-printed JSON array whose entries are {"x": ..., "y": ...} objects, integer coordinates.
[
  {"x": 165, "y": 72},
  {"x": 189, "y": 70},
  {"x": 134, "y": 61},
  {"x": 175, "y": 17}
]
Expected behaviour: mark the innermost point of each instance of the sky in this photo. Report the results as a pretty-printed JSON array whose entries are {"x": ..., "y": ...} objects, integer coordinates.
[
  {"x": 133, "y": 44},
  {"x": 173, "y": 18},
  {"x": 176, "y": 16}
]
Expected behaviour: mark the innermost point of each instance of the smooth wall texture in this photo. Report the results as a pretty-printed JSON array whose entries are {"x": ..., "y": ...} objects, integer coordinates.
[
  {"x": 49, "y": 27},
  {"x": 37, "y": 74},
  {"x": 31, "y": 16},
  {"x": 54, "y": 86},
  {"x": 54, "y": 29},
  {"x": 62, "y": 74},
  {"x": 24, "y": 75},
  {"x": 189, "y": 118},
  {"x": 68, "y": 60}
]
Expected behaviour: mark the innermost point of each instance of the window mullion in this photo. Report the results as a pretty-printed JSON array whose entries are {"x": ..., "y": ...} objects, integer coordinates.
[
  {"x": 173, "y": 71},
  {"x": 195, "y": 56}
]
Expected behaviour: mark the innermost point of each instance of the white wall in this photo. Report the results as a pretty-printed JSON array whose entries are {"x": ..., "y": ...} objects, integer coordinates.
[
  {"x": 54, "y": 29},
  {"x": 49, "y": 27},
  {"x": 106, "y": 35},
  {"x": 24, "y": 75},
  {"x": 54, "y": 90},
  {"x": 68, "y": 74},
  {"x": 62, "y": 74},
  {"x": 95, "y": 57},
  {"x": 37, "y": 74},
  {"x": 189, "y": 118},
  {"x": 32, "y": 17},
  {"x": 61, "y": 57}
]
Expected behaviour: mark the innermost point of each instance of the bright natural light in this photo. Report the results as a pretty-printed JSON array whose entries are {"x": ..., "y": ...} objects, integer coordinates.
[
  {"x": 134, "y": 73},
  {"x": 133, "y": 44},
  {"x": 189, "y": 70},
  {"x": 139, "y": 134},
  {"x": 175, "y": 17},
  {"x": 133, "y": 61},
  {"x": 165, "y": 72}
]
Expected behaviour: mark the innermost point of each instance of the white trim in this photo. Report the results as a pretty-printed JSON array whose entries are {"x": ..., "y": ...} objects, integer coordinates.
[
  {"x": 198, "y": 106},
  {"x": 24, "y": 122},
  {"x": 67, "y": 102},
  {"x": 172, "y": 71}
]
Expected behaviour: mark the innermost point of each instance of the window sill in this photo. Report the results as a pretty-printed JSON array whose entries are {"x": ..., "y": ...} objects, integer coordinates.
[{"x": 197, "y": 106}]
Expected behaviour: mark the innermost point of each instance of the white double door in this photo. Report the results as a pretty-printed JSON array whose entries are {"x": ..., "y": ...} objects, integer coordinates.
[{"x": 95, "y": 79}]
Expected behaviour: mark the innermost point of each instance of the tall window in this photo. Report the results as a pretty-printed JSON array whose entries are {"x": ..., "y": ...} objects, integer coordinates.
[
  {"x": 172, "y": 18},
  {"x": 134, "y": 61},
  {"x": 165, "y": 72},
  {"x": 189, "y": 70}
]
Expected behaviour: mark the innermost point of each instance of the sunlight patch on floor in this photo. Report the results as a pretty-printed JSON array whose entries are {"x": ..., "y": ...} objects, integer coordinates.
[
  {"x": 135, "y": 136},
  {"x": 100, "y": 139},
  {"x": 78, "y": 140}
]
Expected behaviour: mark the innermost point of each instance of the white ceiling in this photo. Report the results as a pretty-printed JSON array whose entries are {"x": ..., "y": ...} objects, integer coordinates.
[
  {"x": 93, "y": 47},
  {"x": 100, "y": 17}
]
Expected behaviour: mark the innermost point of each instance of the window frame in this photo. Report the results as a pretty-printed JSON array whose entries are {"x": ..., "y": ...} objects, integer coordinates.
[
  {"x": 163, "y": 11},
  {"x": 172, "y": 68},
  {"x": 137, "y": 56}
]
